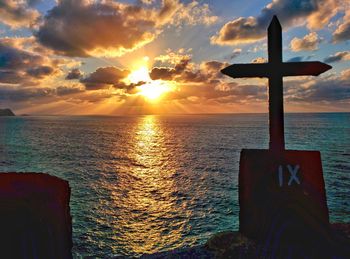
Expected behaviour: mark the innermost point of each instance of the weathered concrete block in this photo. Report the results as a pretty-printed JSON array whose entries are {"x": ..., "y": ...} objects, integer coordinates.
[
  {"x": 35, "y": 220},
  {"x": 282, "y": 197}
]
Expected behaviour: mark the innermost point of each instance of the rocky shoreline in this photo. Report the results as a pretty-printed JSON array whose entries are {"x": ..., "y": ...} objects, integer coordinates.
[
  {"x": 232, "y": 244},
  {"x": 6, "y": 112}
]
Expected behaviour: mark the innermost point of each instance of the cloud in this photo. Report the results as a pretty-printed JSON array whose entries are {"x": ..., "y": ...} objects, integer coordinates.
[
  {"x": 197, "y": 83},
  {"x": 186, "y": 71},
  {"x": 342, "y": 33},
  {"x": 105, "y": 77},
  {"x": 177, "y": 66},
  {"x": 308, "y": 42},
  {"x": 339, "y": 56},
  {"x": 18, "y": 94},
  {"x": 22, "y": 66},
  {"x": 18, "y": 14},
  {"x": 36, "y": 95},
  {"x": 74, "y": 74},
  {"x": 296, "y": 59},
  {"x": 316, "y": 14},
  {"x": 109, "y": 28},
  {"x": 147, "y": 1},
  {"x": 194, "y": 13},
  {"x": 110, "y": 77},
  {"x": 14, "y": 57},
  {"x": 220, "y": 93},
  {"x": 332, "y": 89},
  {"x": 259, "y": 60},
  {"x": 212, "y": 69},
  {"x": 172, "y": 57},
  {"x": 68, "y": 90},
  {"x": 40, "y": 71},
  {"x": 236, "y": 52},
  {"x": 345, "y": 74},
  {"x": 120, "y": 28},
  {"x": 167, "y": 73}
]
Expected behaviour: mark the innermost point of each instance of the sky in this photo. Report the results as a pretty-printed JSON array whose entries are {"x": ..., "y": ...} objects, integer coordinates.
[{"x": 86, "y": 57}]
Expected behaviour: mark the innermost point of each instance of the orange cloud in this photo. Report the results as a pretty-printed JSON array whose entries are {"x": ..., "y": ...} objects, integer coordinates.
[
  {"x": 18, "y": 14},
  {"x": 308, "y": 42},
  {"x": 107, "y": 28},
  {"x": 342, "y": 33},
  {"x": 259, "y": 60}
]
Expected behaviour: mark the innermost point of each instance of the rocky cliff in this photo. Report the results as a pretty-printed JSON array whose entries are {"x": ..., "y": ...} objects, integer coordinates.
[{"x": 6, "y": 112}]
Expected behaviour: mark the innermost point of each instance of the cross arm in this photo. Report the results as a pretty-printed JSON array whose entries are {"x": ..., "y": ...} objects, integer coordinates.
[
  {"x": 313, "y": 68},
  {"x": 247, "y": 70}
]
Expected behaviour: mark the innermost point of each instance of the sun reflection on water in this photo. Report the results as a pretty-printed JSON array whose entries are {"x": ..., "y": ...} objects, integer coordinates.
[{"x": 154, "y": 218}]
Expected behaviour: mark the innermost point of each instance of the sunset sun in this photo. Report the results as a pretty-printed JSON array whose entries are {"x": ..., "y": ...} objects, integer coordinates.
[{"x": 152, "y": 90}]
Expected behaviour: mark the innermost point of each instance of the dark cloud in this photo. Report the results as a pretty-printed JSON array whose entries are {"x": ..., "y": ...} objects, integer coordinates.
[
  {"x": 12, "y": 57},
  {"x": 74, "y": 74},
  {"x": 250, "y": 29},
  {"x": 328, "y": 91},
  {"x": 18, "y": 66},
  {"x": 41, "y": 95},
  {"x": 333, "y": 89},
  {"x": 10, "y": 77},
  {"x": 167, "y": 73},
  {"x": 339, "y": 56},
  {"x": 163, "y": 73},
  {"x": 83, "y": 28},
  {"x": 40, "y": 71},
  {"x": 33, "y": 2},
  {"x": 106, "y": 77},
  {"x": 18, "y": 13},
  {"x": 212, "y": 69},
  {"x": 184, "y": 71},
  {"x": 296, "y": 59},
  {"x": 24, "y": 94}
]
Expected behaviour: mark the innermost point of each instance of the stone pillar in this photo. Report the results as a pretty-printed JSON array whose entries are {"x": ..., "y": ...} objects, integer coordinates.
[{"x": 35, "y": 219}]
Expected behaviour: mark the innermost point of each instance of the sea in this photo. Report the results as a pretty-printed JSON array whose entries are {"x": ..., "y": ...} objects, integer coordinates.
[{"x": 145, "y": 184}]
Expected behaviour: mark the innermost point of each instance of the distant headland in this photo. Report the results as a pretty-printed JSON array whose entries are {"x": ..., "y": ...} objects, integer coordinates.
[{"x": 6, "y": 112}]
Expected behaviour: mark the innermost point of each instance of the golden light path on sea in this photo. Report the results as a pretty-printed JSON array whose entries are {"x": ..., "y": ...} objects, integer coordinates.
[{"x": 151, "y": 217}]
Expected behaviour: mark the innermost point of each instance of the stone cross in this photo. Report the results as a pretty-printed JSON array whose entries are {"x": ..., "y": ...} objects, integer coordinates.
[
  {"x": 275, "y": 70},
  {"x": 282, "y": 195}
]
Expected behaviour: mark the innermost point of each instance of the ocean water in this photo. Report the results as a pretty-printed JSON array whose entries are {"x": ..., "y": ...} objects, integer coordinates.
[{"x": 143, "y": 184}]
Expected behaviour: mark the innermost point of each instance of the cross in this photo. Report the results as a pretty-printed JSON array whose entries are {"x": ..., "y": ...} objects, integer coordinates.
[{"x": 275, "y": 70}]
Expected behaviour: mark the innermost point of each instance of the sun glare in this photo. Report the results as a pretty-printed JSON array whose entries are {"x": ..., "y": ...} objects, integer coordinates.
[
  {"x": 139, "y": 75},
  {"x": 150, "y": 89},
  {"x": 154, "y": 90}
]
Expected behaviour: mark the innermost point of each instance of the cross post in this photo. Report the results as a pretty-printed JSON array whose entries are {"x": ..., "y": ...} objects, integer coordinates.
[{"x": 275, "y": 70}]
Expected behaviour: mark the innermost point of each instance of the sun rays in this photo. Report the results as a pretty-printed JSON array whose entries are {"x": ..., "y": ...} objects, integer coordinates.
[{"x": 152, "y": 90}]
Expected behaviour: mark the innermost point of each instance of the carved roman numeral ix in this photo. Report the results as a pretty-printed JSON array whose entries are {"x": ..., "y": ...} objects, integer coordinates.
[{"x": 293, "y": 175}]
